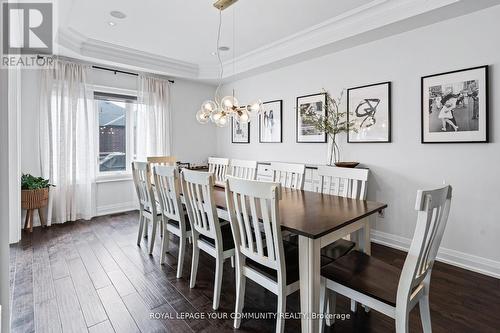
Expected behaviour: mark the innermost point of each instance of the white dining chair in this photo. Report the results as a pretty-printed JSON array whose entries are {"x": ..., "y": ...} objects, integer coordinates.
[
  {"x": 148, "y": 208},
  {"x": 243, "y": 169},
  {"x": 219, "y": 167},
  {"x": 289, "y": 175},
  {"x": 348, "y": 183},
  {"x": 152, "y": 162},
  {"x": 382, "y": 286},
  {"x": 168, "y": 189},
  {"x": 260, "y": 256},
  {"x": 208, "y": 234},
  {"x": 159, "y": 160},
  {"x": 344, "y": 182}
]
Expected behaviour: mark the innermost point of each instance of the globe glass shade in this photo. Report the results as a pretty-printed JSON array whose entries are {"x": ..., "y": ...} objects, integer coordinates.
[{"x": 202, "y": 117}]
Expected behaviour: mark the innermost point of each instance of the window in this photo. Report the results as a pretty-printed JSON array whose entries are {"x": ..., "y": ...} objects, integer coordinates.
[{"x": 115, "y": 114}]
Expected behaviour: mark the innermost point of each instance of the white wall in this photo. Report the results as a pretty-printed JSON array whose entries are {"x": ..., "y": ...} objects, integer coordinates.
[
  {"x": 4, "y": 204},
  {"x": 402, "y": 167},
  {"x": 192, "y": 142}
]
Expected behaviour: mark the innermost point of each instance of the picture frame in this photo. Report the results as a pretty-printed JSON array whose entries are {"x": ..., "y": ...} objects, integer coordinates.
[
  {"x": 455, "y": 106},
  {"x": 306, "y": 133},
  {"x": 369, "y": 106},
  {"x": 240, "y": 133},
  {"x": 271, "y": 122}
]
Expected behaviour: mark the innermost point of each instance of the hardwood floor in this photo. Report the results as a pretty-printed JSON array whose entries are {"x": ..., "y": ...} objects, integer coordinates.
[{"x": 91, "y": 276}]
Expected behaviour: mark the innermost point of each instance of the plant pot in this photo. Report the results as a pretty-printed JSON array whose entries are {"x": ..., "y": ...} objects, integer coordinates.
[
  {"x": 346, "y": 164},
  {"x": 34, "y": 199}
]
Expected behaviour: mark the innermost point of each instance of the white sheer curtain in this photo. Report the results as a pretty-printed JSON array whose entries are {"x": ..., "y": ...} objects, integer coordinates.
[
  {"x": 153, "y": 122},
  {"x": 67, "y": 131}
]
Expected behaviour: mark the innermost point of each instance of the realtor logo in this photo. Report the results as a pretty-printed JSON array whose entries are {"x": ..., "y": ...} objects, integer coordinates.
[{"x": 27, "y": 28}]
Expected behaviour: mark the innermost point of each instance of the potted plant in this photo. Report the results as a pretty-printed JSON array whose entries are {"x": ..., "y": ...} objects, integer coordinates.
[
  {"x": 333, "y": 124},
  {"x": 34, "y": 195}
]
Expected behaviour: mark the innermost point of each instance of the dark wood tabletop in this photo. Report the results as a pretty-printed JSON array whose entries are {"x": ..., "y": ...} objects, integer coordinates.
[{"x": 314, "y": 214}]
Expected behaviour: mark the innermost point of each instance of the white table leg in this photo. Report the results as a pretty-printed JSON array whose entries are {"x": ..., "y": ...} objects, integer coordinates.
[{"x": 310, "y": 272}]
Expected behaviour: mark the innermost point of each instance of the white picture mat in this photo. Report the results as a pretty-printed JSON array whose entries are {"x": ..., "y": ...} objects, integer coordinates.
[
  {"x": 306, "y": 100},
  {"x": 240, "y": 138},
  {"x": 265, "y": 134},
  {"x": 467, "y": 75},
  {"x": 379, "y": 131}
]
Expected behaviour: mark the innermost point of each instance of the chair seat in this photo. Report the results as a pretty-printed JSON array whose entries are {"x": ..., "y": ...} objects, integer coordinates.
[
  {"x": 227, "y": 238},
  {"x": 176, "y": 224},
  {"x": 365, "y": 274},
  {"x": 333, "y": 251},
  {"x": 291, "y": 262}
]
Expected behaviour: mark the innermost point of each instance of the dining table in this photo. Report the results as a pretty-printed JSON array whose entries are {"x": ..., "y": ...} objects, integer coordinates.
[{"x": 318, "y": 220}]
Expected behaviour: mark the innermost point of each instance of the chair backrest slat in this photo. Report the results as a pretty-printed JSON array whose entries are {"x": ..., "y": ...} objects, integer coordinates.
[
  {"x": 143, "y": 187},
  {"x": 159, "y": 160},
  {"x": 219, "y": 167},
  {"x": 168, "y": 190},
  {"x": 197, "y": 188},
  {"x": 256, "y": 226},
  {"x": 289, "y": 175},
  {"x": 433, "y": 208},
  {"x": 243, "y": 169},
  {"x": 344, "y": 182}
]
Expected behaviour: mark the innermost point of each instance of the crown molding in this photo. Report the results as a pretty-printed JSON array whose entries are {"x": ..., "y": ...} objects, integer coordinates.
[
  {"x": 93, "y": 48},
  {"x": 374, "y": 15},
  {"x": 375, "y": 20}
]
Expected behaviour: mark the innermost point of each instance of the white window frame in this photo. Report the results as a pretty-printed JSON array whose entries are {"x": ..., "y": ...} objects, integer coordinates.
[{"x": 126, "y": 174}]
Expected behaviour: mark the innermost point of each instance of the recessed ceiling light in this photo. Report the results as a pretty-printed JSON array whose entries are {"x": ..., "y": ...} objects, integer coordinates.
[
  {"x": 214, "y": 53},
  {"x": 111, "y": 23},
  {"x": 117, "y": 14},
  {"x": 224, "y": 48}
]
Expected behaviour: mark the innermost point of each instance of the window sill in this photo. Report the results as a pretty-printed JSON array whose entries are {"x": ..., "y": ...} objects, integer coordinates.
[{"x": 116, "y": 177}]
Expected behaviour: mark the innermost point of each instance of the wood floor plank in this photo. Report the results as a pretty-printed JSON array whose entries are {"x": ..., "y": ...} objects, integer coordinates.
[
  {"x": 121, "y": 283},
  {"x": 71, "y": 315},
  {"x": 57, "y": 259},
  {"x": 45, "y": 304},
  {"x": 120, "y": 318},
  {"x": 94, "y": 268},
  {"x": 104, "y": 327},
  {"x": 172, "y": 325},
  {"x": 145, "y": 288},
  {"x": 105, "y": 259},
  {"x": 47, "y": 318},
  {"x": 22, "y": 311},
  {"x": 42, "y": 276},
  {"x": 141, "y": 314},
  {"x": 90, "y": 304}
]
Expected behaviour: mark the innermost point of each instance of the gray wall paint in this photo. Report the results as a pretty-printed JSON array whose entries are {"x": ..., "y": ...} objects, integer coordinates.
[{"x": 402, "y": 167}]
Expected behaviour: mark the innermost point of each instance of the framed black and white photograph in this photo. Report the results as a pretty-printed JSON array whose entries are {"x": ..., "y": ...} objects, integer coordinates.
[
  {"x": 369, "y": 107},
  {"x": 455, "y": 106},
  {"x": 306, "y": 131},
  {"x": 240, "y": 133},
  {"x": 270, "y": 122}
]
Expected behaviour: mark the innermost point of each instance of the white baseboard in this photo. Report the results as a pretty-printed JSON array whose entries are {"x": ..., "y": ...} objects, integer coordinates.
[
  {"x": 116, "y": 208},
  {"x": 460, "y": 259}
]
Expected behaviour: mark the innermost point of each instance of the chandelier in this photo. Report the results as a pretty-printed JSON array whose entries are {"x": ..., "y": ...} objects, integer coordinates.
[{"x": 221, "y": 110}]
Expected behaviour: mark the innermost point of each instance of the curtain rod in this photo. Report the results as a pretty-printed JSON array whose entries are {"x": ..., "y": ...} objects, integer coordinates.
[
  {"x": 120, "y": 71},
  {"x": 100, "y": 67}
]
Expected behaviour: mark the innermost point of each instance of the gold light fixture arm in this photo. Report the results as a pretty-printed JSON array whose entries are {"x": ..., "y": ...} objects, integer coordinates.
[{"x": 223, "y": 4}]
